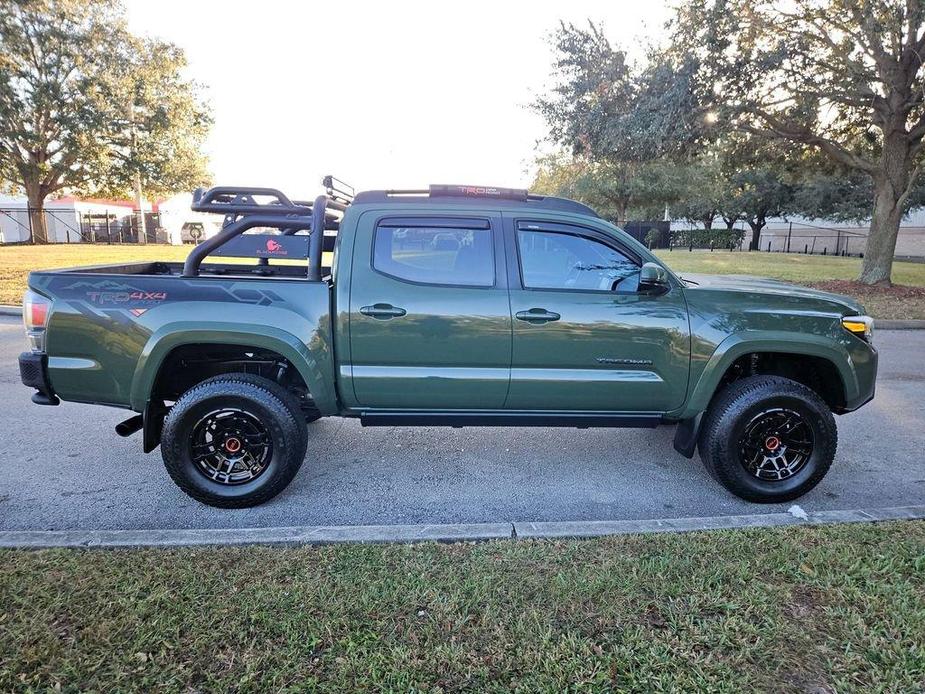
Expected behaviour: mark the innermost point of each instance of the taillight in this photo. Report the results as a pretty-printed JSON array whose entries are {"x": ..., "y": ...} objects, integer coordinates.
[{"x": 35, "y": 309}]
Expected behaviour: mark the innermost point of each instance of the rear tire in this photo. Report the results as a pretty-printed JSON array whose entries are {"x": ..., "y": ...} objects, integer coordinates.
[
  {"x": 234, "y": 441},
  {"x": 768, "y": 439}
]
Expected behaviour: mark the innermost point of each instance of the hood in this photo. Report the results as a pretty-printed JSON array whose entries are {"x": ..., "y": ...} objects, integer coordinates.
[{"x": 765, "y": 285}]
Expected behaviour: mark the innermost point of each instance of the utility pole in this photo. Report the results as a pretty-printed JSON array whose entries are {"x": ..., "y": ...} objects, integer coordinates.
[
  {"x": 140, "y": 225},
  {"x": 142, "y": 233}
]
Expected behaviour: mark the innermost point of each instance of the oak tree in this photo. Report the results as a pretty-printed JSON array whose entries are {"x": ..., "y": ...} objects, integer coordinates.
[
  {"x": 86, "y": 106},
  {"x": 842, "y": 76}
]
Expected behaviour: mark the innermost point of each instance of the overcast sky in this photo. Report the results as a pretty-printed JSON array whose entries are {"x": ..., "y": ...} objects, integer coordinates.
[{"x": 381, "y": 94}]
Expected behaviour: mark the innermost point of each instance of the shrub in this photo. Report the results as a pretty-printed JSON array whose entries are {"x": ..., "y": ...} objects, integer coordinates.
[{"x": 707, "y": 238}]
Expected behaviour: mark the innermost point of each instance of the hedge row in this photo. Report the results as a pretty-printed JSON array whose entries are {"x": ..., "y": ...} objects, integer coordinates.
[{"x": 707, "y": 238}]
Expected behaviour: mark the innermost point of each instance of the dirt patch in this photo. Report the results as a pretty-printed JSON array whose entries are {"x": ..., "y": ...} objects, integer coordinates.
[
  {"x": 896, "y": 291},
  {"x": 896, "y": 302},
  {"x": 804, "y": 602}
]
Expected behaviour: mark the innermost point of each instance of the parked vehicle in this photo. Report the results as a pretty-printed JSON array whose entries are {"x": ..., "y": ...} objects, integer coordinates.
[{"x": 453, "y": 305}]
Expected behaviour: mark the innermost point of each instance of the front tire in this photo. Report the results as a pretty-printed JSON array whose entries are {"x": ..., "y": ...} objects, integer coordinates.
[
  {"x": 768, "y": 439},
  {"x": 234, "y": 441}
]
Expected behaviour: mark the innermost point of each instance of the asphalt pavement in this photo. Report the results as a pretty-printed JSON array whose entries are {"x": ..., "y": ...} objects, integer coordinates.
[{"x": 64, "y": 468}]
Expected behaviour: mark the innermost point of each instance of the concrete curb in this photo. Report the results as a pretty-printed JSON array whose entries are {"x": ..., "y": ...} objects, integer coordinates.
[
  {"x": 310, "y": 535},
  {"x": 796, "y": 516},
  {"x": 885, "y": 324},
  {"x": 10, "y": 310},
  {"x": 297, "y": 535}
]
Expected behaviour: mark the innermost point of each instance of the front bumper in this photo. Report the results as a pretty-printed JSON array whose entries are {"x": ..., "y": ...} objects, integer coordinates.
[
  {"x": 864, "y": 358},
  {"x": 33, "y": 372}
]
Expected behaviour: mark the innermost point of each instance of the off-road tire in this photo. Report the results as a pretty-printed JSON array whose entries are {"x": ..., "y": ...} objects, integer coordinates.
[
  {"x": 278, "y": 411},
  {"x": 724, "y": 426}
]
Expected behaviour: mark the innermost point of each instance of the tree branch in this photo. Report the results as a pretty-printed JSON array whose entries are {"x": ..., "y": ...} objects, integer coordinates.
[{"x": 800, "y": 133}]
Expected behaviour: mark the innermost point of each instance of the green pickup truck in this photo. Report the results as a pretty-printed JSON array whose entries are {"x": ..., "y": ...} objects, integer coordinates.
[{"x": 451, "y": 305}]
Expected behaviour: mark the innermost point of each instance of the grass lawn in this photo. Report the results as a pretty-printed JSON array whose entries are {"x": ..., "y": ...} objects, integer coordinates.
[
  {"x": 906, "y": 301},
  {"x": 824, "y": 609},
  {"x": 16, "y": 262}
]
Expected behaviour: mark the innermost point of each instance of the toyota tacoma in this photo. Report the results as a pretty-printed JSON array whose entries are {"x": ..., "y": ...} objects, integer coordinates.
[{"x": 447, "y": 305}]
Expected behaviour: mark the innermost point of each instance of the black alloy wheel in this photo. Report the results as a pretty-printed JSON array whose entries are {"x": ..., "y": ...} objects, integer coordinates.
[
  {"x": 777, "y": 443},
  {"x": 235, "y": 440},
  {"x": 768, "y": 439}
]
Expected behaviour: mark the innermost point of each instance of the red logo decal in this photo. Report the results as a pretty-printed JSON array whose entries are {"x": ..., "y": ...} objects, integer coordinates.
[{"x": 274, "y": 247}]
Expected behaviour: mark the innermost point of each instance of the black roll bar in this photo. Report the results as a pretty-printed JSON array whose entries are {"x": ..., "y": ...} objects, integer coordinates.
[
  {"x": 238, "y": 227},
  {"x": 316, "y": 238},
  {"x": 242, "y": 211}
]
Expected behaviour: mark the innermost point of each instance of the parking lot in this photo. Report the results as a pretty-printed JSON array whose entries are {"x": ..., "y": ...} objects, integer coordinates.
[{"x": 65, "y": 468}]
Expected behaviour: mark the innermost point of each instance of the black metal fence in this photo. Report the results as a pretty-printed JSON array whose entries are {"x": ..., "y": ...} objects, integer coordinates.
[
  {"x": 813, "y": 240},
  {"x": 70, "y": 226},
  {"x": 654, "y": 234},
  {"x": 794, "y": 238}
]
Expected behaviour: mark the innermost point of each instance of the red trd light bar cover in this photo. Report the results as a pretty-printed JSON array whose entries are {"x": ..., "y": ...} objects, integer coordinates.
[{"x": 479, "y": 192}]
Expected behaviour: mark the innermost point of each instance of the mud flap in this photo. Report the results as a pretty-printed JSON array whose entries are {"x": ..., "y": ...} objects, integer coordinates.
[
  {"x": 153, "y": 425},
  {"x": 685, "y": 436}
]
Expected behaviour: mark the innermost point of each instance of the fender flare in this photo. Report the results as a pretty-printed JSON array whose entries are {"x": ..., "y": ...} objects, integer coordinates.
[
  {"x": 741, "y": 344},
  {"x": 315, "y": 369}
]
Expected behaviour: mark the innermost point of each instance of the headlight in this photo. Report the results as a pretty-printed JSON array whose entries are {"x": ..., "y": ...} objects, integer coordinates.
[{"x": 862, "y": 326}]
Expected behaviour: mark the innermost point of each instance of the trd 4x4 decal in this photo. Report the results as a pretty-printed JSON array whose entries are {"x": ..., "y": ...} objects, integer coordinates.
[{"x": 126, "y": 297}]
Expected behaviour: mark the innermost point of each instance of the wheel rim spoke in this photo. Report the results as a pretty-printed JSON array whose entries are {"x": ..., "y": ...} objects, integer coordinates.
[
  {"x": 776, "y": 444},
  {"x": 230, "y": 446}
]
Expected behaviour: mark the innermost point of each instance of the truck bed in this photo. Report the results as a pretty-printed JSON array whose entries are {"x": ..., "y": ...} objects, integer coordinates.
[
  {"x": 109, "y": 323},
  {"x": 291, "y": 270}
]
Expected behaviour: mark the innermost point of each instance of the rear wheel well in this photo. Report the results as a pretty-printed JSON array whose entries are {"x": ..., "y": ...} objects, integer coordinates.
[
  {"x": 816, "y": 373},
  {"x": 188, "y": 365}
]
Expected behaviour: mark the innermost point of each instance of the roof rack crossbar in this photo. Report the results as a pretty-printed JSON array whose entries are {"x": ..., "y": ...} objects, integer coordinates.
[{"x": 244, "y": 200}]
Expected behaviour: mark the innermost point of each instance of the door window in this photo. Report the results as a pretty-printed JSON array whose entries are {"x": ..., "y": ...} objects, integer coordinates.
[
  {"x": 436, "y": 255},
  {"x": 555, "y": 260}
]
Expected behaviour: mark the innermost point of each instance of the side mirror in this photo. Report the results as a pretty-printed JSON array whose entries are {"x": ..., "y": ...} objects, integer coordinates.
[{"x": 653, "y": 278}]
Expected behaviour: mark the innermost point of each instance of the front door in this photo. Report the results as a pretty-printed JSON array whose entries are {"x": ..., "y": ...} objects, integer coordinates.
[
  {"x": 430, "y": 323},
  {"x": 585, "y": 337}
]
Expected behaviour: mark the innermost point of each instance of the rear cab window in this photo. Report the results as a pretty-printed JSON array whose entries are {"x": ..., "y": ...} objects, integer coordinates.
[{"x": 450, "y": 252}]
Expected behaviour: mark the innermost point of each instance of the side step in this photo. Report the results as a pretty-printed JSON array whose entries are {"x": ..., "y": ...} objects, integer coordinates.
[{"x": 509, "y": 419}]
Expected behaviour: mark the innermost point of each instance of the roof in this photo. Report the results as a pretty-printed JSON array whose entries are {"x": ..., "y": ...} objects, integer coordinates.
[{"x": 477, "y": 196}]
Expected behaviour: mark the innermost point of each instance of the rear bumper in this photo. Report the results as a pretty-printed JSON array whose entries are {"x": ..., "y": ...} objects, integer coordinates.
[{"x": 33, "y": 372}]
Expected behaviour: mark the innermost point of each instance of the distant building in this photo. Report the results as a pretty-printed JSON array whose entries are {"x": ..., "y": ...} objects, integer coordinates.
[
  {"x": 836, "y": 237},
  {"x": 799, "y": 235},
  {"x": 67, "y": 219},
  {"x": 73, "y": 220}
]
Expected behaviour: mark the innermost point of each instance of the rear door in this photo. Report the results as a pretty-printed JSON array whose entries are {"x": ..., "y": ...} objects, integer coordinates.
[
  {"x": 430, "y": 322},
  {"x": 585, "y": 337}
]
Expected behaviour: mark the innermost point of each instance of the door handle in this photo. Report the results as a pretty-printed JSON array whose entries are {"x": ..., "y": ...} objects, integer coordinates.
[
  {"x": 537, "y": 315},
  {"x": 383, "y": 311}
]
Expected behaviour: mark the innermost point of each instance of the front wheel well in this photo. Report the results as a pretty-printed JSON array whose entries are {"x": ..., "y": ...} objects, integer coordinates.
[{"x": 817, "y": 373}]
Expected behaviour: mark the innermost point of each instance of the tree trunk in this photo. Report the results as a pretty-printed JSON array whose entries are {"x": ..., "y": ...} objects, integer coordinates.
[
  {"x": 621, "y": 211},
  {"x": 756, "y": 225},
  {"x": 707, "y": 222},
  {"x": 37, "y": 214},
  {"x": 890, "y": 184}
]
